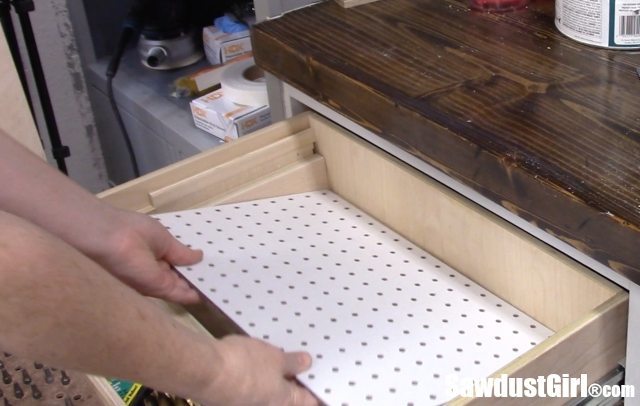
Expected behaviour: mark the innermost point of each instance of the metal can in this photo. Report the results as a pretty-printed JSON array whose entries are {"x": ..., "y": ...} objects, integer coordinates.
[{"x": 604, "y": 23}]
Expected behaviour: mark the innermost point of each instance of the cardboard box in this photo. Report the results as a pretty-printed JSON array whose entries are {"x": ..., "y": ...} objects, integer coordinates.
[
  {"x": 220, "y": 47},
  {"x": 208, "y": 78},
  {"x": 217, "y": 115}
]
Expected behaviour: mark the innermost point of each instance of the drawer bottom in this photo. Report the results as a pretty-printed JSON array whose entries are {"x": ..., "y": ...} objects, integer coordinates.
[{"x": 386, "y": 322}]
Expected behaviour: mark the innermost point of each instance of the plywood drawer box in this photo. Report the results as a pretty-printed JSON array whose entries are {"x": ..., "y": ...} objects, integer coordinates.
[{"x": 587, "y": 313}]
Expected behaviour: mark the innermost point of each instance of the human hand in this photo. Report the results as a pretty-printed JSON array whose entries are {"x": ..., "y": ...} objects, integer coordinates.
[
  {"x": 133, "y": 247},
  {"x": 253, "y": 372},
  {"x": 140, "y": 252}
]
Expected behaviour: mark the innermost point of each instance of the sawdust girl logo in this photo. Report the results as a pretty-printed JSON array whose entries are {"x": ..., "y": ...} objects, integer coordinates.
[{"x": 552, "y": 386}]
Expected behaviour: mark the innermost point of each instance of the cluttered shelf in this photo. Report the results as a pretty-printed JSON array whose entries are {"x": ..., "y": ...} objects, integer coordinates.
[
  {"x": 535, "y": 121},
  {"x": 173, "y": 113}
]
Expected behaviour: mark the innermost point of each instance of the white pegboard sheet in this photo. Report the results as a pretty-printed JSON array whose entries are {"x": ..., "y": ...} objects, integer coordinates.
[{"x": 385, "y": 322}]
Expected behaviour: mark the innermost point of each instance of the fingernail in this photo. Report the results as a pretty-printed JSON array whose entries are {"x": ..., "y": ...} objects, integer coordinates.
[{"x": 305, "y": 359}]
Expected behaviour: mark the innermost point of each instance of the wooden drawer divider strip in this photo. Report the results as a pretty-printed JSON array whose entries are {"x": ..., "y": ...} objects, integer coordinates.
[
  {"x": 134, "y": 195},
  {"x": 201, "y": 186}
]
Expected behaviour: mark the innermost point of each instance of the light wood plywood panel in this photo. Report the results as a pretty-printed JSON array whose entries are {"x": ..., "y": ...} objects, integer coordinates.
[
  {"x": 134, "y": 195},
  {"x": 513, "y": 265},
  {"x": 197, "y": 188}
]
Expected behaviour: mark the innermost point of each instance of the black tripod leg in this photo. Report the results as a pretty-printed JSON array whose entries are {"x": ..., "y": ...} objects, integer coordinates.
[{"x": 59, "y": 151}]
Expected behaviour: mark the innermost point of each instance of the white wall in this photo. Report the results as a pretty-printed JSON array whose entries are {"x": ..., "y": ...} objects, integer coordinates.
[{"x": 58, "y": 50}]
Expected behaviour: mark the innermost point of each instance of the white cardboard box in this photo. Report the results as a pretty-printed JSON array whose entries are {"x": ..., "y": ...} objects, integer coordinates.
[
  {"x": 217, "y": 115},
  {"x": 219, "y": 47},
  {"x": 211, "y": 76}
]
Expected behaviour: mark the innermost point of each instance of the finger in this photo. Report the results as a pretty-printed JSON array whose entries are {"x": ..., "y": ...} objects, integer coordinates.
[
  {"x": 295, "y": 363},
  {"x": 177, "y": 290},
  {"x": 179, "y": 254},
  {"x": 300, "y": 396},
  {"x": 184, "y": 293},
  {"x": 164, "y": 267},
  {"x": 166, "y": 284},
  {"x": 184, "y": 296}
]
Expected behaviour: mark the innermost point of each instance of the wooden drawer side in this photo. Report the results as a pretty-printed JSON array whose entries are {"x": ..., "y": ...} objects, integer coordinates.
[
  {"x": 244, "y": 169},
  {"x": 592, "y": 345},
  {"x": 306, "y": 175},
  {"x": 134, "y": 195},
  {"x": 516, "y": 267}
]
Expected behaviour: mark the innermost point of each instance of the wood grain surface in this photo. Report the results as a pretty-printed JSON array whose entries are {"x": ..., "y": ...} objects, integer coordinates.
[{"x": 545, "y": 126}]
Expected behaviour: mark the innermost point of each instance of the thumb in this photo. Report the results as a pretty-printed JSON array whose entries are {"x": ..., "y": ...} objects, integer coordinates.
[
  {"x": 295, "y": 363},
  {"x": 179, "y": 254}
]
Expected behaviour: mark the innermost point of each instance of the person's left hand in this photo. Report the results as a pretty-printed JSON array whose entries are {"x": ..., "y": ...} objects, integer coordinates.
[{"x": 140, "y": 252}]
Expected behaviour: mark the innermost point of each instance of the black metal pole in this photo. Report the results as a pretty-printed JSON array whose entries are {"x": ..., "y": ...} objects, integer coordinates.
[
  {"x": 12, "y": 42},
  {"x": 59, "y": 151}
]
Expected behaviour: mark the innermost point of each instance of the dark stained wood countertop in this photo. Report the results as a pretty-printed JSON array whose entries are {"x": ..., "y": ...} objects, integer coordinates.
[{"x": 545, "y": 126}]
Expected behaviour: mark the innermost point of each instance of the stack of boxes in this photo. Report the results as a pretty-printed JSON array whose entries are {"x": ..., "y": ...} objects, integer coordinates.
[{"x": 213, "y": 112}]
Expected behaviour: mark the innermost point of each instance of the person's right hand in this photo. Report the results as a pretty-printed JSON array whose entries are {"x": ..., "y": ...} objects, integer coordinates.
[
  {"x": 256, "y": 373},
  {"x": 140, "y": 252}
]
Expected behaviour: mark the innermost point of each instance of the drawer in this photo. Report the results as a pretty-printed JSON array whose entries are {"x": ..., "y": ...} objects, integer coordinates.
[{"x": 587, "y": 313}]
